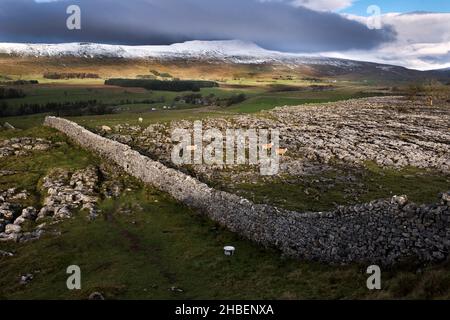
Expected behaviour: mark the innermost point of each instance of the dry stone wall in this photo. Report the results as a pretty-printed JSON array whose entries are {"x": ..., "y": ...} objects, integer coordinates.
[{"x": 382, "y": 231}]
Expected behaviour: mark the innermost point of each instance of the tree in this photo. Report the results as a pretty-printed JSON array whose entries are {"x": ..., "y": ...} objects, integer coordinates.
[
  {"x": 413, "y": 91},
  {"x": 435, "y": 92}
]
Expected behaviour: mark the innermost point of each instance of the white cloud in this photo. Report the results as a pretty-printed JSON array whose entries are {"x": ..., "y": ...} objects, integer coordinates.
[
  {"x": 318, "y": 5},
  {"x": 324, "y": 5},
  {"x": 423, "y": 41}
]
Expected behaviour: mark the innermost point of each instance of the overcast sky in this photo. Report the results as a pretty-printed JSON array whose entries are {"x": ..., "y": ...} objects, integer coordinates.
[{"x": 329, "y": 27}]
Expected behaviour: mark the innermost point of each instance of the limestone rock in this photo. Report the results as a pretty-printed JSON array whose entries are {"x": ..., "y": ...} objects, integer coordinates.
[
  {"x": 8, "y": 126},
  {"x": 12, "y": 228},
  {"x": 400, "y": 200}
]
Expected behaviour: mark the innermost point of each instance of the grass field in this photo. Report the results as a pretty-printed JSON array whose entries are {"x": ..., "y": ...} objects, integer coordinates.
[
  {"x": 145, "y": 243},
  {"x": 128, "y": 106},
  {"x": 346, "y": 186}
]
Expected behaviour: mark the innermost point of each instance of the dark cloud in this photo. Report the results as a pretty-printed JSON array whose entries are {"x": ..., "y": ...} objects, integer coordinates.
[
  {"x": 436, "y": 59},
  {"x": 273, "y": 25}
]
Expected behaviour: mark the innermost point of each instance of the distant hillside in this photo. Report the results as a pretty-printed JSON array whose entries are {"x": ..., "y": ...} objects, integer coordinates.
[{"x": 207, "y": 59}]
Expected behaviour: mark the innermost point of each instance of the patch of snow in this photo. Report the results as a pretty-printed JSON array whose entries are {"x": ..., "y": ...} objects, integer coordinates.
[
  {"x": 234, "y": 51},
  {"x": 385, "y": 68}
]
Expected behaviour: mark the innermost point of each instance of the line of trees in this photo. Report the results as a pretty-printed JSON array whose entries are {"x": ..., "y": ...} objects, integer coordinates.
[
  {"x": 11, "y": 93},
  {"x": 170, "y": 85},
  {"x": 19, "y": 82},
  {"x": 161, "y": 74},
  {"x": 235, "y": 99},
  {"x": 78, "y": 108},
  {"x": 211, "y": 99},
  {"x": 142, "y": 101},
  {"x": 70, "y": 75},
  {"x": 433, "y": 91}
]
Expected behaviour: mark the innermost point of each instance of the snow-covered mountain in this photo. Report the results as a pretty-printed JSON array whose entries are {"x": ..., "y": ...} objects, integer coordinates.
[
  {"x": 230, "y": 52},
  {"x": 234, "y": 51}
]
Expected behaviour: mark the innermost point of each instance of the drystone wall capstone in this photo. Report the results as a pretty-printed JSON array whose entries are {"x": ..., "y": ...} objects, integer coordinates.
[{"x": 382, "y": 231}]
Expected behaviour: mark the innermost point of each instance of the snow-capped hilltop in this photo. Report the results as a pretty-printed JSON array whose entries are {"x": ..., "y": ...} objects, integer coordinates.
[
  {"x": 230, "y": 52},
  {"x": 190, "y": 48},
  {"x": 213, "y": 48},
  {"x": 218, "y": 48},
  {"x": 235, "y": 51}
]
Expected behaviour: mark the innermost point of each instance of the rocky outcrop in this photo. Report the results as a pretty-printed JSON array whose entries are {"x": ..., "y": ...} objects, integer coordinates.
[
  {"x": 390, "y": 132},
  {"x": 6, "y": 254},
  {"x": 66, "y": 192},
  {"x": 13, "y": 216},
  {"x": 8, "y": 126},
  {"x": 382, "y": 231},
  {"x": 22, "y": 146}
]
